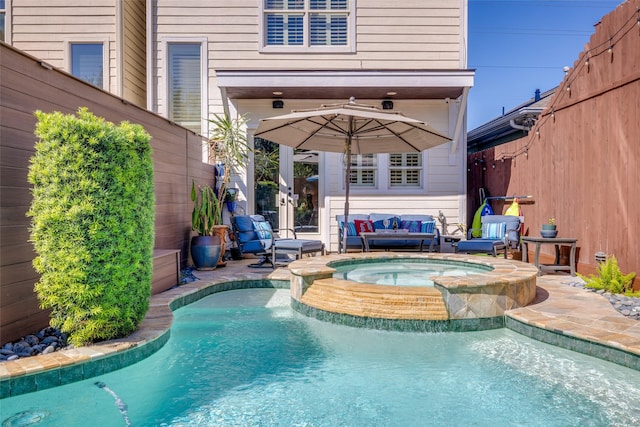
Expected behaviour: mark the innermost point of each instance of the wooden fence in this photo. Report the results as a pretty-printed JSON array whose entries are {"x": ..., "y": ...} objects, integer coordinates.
[
  {"x": 28, "y": 85},
  {"x": 580, "y": 161}
]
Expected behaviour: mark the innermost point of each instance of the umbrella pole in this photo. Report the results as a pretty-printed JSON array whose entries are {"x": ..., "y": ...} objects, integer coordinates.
[{"x": 346, "y": 187}]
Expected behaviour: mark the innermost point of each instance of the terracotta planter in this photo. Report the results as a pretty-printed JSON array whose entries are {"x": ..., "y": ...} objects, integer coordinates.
[{"x": 221, "y": 231}]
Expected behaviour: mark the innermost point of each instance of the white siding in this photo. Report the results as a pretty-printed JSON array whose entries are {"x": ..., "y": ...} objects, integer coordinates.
[
  {"x": 44, "y": 28},
  {"x": 135, "y": 86},
  {"x": 410, "y": 35}
]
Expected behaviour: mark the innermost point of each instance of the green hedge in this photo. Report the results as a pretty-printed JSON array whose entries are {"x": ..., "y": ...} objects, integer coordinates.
[{"x": 92, "y": 223}]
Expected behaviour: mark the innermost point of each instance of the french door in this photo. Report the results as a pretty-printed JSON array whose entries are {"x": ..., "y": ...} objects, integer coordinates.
[{"x": 286, "y": 187}]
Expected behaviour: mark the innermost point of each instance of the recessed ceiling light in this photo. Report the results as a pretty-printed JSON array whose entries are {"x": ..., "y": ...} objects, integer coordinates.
[
  {"x": 392, "y": 93},
  {"x": 277, "y": 93}
]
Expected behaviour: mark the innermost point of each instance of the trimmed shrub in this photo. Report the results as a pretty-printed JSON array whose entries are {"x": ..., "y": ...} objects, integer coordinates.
[{"x": 92, "y": 224}]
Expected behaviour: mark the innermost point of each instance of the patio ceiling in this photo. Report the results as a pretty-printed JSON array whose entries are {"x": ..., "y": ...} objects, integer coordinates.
[{"x": 342, "y": 84}]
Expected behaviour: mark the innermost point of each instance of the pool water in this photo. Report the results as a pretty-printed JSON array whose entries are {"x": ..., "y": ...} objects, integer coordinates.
[
  {"x": 242, "y": 358},
  {"x": 403, "y": 273}
]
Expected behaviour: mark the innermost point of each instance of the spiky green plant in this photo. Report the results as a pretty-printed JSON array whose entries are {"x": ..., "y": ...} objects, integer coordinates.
[
  {"x": 92, "y": 223},
  {"x": 207, "y": 209},
  {"x": 229, "y": 149},
  {"x": 610, "y": 278}
]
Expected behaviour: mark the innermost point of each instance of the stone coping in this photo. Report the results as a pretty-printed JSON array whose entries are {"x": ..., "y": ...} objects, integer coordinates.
[
  {"x": 62, "y": 367},
  {"x": 503, "y": 285},
  {"x": 500, "y": 270}
]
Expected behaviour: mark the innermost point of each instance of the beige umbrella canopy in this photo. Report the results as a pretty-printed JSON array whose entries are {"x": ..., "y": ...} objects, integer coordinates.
[{"x": 350, "y": 128}]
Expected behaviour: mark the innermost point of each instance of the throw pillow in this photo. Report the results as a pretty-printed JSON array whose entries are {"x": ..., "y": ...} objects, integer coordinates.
[
  {"x": 263, "y": 230},
  {"x": 351, "y": 228},
  {"x": 494, "y": 230},
  {"x": 428, "y": 226},
  {"x": 412, "y": 226},
  {"x": 363, "y": 225}
]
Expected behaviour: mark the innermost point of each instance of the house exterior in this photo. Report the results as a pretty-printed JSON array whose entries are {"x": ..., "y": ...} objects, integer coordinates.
[
  {"x": 190, "y": 59},
  {"x": 579, "y": 160}
]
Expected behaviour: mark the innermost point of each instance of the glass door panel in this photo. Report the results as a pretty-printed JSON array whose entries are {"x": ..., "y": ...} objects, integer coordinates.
[
  {"x": 267, "y": 173},
  {"x": 286, "y": 187},
  {"x": 305, "y": 186}
]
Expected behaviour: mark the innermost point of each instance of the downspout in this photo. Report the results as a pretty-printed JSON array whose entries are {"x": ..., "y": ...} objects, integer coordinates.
[
  {"x": 513, "y": 124},
  {"x": 119, "y": 49},
  {"x": 460, "y": 120}
]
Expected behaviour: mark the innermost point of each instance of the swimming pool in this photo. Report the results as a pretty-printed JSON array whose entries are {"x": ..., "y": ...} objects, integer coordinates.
[{"x": 246, "y": 358}]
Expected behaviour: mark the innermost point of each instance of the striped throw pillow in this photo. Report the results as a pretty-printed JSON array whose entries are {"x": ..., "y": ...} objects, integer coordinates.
[
  {"x": 494, "y": 230},
  {"x": 428, "y": 226}
]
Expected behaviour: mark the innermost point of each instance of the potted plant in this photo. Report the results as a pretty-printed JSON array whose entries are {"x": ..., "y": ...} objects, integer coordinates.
[
  {"x": 549, "y": 229},
  {"x": 206, "y": 248},
  {"x": 229, "y": 151},
  {"x": 231, "y": 199}
]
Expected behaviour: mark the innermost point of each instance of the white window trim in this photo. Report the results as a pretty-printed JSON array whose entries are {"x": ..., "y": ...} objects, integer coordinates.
[
  {"x": 404, "y": 167},
  {"x": 106, "y": 53},
  {"x": 350, "y": 47},
  {"x": 204, "y": 61},
  {"x": 383, "y": 186},
  {"x": 7, "y": 22},
  {"x": 362, "y": 188}
]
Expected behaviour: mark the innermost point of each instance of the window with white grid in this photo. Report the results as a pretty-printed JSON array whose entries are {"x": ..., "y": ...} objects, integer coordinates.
[
  {"x": 364, "y": 169},
  {"x": 405, "y": 170},
  {"x": 307, "y": 25}
]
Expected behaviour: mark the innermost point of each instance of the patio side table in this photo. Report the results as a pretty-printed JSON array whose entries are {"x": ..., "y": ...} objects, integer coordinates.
[{"x": 557, "y": 242}]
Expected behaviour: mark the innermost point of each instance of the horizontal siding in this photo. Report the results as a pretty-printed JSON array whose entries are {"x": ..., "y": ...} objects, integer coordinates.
[
  {"x": 398, "y": 35},
  {"x": 43, "y": 28},
  {"x": 134, "y": 55}
]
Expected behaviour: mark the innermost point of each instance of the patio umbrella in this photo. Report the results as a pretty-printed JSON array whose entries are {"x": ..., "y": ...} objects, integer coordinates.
[{"x": 350, "y": 128}]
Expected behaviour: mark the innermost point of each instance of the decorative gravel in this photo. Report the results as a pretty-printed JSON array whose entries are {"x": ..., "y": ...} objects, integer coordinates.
[{"x": 627, "y": 306}]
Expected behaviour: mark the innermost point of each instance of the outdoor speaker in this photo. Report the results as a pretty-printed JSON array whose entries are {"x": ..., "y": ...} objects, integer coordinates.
[
  {"x": 387, "y": 104},
  {"x": 278, "y": 103}
]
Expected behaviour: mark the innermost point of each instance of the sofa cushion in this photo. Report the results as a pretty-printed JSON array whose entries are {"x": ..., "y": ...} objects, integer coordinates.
[
  {"x": 378, "y": 220},
  {"x": 244, "y": 228},
  {"x": 411, "y": 226}
]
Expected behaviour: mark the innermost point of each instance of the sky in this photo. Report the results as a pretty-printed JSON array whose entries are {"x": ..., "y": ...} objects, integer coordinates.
[{"x": 518, "y": 46}]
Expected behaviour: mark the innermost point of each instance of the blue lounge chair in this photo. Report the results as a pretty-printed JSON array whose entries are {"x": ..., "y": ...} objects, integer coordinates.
[
  {"x": 499, "y": 232},
  {"x": 254, "y": 236}
]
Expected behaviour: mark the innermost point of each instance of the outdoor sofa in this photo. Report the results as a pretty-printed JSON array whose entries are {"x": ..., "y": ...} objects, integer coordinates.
[{"x": 375, "y": 222}]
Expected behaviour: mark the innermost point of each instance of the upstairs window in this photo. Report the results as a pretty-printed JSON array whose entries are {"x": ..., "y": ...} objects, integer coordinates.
[
  {"x": 405, "y": 170},
  {"x": 184, "y": 79},
  {"x": 87, "y": 62},
  {"x": 308, "y": 25},
  {"x": 3, "y": 13}
]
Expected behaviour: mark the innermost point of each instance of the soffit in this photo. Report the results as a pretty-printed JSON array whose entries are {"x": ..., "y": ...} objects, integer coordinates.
[{"x": 440, "y": 84}]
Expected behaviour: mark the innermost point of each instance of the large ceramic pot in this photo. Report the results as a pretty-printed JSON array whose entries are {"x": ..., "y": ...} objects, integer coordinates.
[{"x": 205, "y": 252}]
